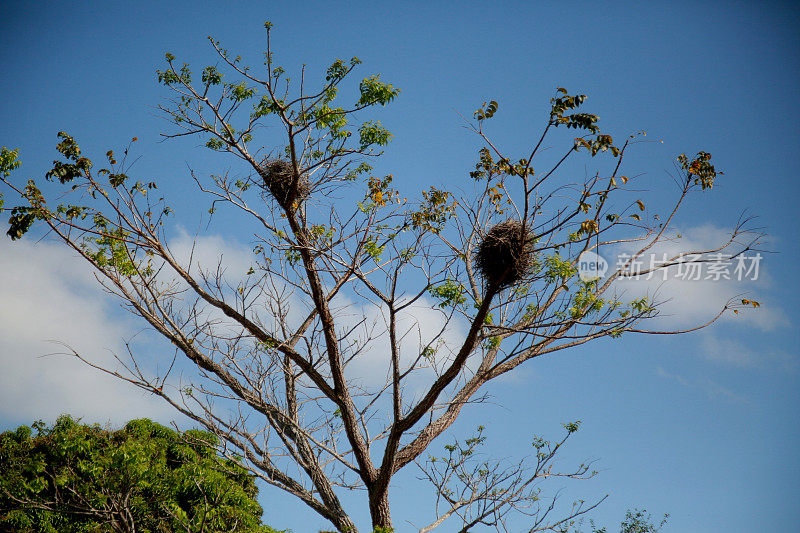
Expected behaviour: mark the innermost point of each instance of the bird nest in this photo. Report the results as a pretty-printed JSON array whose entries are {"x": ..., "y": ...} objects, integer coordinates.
[
  {"x": 278, "y": 176},
  {"x": 505, "y": 256}
]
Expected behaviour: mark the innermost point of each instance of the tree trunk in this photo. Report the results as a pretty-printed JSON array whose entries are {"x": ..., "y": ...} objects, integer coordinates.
[
  {"x": 379, "y": 509},
  {"x": 344, "y": 524}
]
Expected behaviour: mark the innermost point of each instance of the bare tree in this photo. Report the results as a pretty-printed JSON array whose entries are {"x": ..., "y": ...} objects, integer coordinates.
[
  {"x": 276, "y": 349},
  {"x": 485, "y": 491}
]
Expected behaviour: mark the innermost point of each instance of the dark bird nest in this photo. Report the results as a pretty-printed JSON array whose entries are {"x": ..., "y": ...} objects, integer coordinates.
[
  {"x": 505, "y": 256},
  {"x": 278, "y": 176}
]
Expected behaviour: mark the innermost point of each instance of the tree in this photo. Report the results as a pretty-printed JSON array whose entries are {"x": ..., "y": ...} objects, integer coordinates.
[
  {"x": 636, "y": 521},
  {"x": 144, "y": 477},
  {"x": 279, "y": 386}
]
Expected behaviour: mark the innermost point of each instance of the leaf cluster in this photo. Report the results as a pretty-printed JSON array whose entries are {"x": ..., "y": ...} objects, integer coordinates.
[
  {"x": 699, "y": 170},
  {"x": 86, "y": 478},
  {"x": 561, "y": 104}
]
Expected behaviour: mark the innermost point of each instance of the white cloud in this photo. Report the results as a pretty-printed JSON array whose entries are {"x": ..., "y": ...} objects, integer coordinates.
[
  {"x": 209, "y": 251},
  {"x": 363, "y": 322},
  {"x": 735, "y": 353},
  {"x": 688, "y": 303},
  {"x": 419, "y": 325},
  {"x": 48, "y": 294},
  {"x": 49, "y": 298}
]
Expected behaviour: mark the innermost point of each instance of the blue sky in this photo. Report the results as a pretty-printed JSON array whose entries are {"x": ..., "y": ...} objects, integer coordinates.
[{"x": 703, "y": 426}]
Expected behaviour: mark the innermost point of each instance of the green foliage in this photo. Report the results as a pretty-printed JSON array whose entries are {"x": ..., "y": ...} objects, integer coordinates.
[
  {"x": 333, "y": 119},
  {"x": 483, "y": 167},
  {"x": 293, "y": 256},
  {"x": 83, "y": 478},
  {"x": 267, "y": 105},
  {"x": 66, "y": 172},
  {"x": 8, "y": 161},
  {"x": 240, "y": 91},
  {"x": 486, "y": 167},
  {"x": 172, "y": 77},
  {"x": 459, "y": 449},
  {"x": 601, "y": 143},
  {"x": 450, "y": 293},
  {"x": 560, "y": 104},
  {"x": 373, "y": 249},
  {"x": 110, "y": 251},
  {"x": 557, "y": 268},
  {"x": 434, "y": 212},
  {"x": 615, "y": 333},
  {"x": 373, "y": 91},
  {"x": 105, "y": 242},
  {"x": 486, "y": 110},
  {"x": 211, "y": 76},
  {"x": 22, "y": 216},
  {"x": 214, "y": 143},
  {"x": 372, "y": 133},
  {"x": 636, "y": 521},
  {"x": 585, "y": 300},
  {"x": 338, "y": 70},
  {"x": 642, "y": 305},
  {"x": 321, "y": 235},
  {"x": 353, "y": 174}
]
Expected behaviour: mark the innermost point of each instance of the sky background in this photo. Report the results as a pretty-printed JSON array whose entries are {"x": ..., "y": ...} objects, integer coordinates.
[{"x": 702, "y": 426}]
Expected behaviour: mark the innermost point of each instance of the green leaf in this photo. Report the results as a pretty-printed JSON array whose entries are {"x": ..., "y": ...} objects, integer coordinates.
[
  {"x": 373, "y": 91},
  {"x": 372, "y": 133}
]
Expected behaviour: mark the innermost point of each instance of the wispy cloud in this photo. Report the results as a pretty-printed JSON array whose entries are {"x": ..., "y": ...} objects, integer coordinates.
[
  {"x": 733, "y": 352},
  {"x": 712, "y": 389}
]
